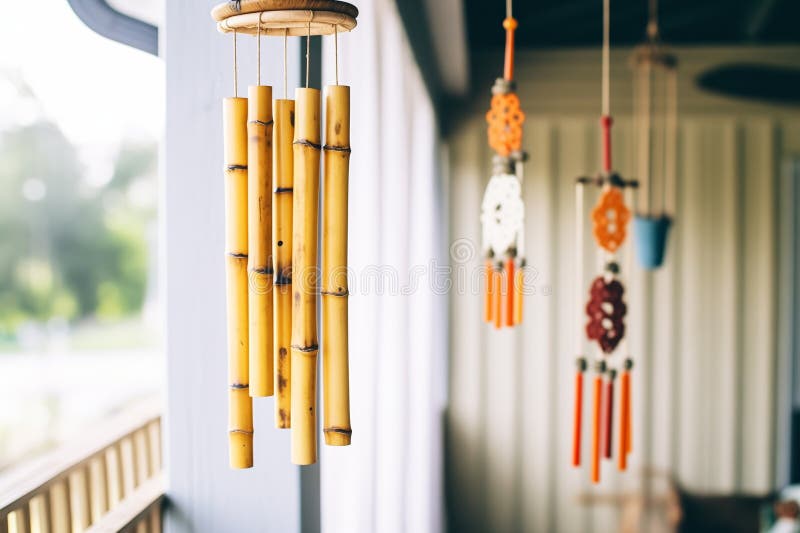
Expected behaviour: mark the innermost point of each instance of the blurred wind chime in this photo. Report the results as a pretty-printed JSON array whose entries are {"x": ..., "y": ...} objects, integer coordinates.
[
  {"x": 655, "y": 114},
  {"x": 272, "y": 168},
  {"x": 502, "y": 209},
  {"x": 606, "y": 308}
]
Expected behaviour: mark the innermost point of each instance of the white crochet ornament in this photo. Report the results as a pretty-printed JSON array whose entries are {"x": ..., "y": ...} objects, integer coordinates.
[{"x": 502, "y": 214}]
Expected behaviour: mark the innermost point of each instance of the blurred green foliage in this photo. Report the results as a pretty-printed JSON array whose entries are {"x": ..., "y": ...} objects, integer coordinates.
[{"x": 68, "y": 248}]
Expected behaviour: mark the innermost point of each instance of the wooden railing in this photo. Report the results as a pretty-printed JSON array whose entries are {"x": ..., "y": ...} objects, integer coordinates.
[{"x": 108, "y": 482}]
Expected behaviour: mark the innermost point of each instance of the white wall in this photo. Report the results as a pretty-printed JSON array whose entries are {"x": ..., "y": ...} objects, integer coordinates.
[
  {"x": 703, "y": 329},
  {"x": 390, "y": 479},
  {"x": 204, "y": 494}
]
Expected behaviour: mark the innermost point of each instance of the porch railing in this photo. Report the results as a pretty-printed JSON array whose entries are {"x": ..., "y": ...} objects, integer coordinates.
[{"x": 110, "y": 481}]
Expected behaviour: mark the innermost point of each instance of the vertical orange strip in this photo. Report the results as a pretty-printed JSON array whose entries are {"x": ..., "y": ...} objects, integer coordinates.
[
  {"x": 510, "y": 24},
  {"x": 623, "y": 422},
  {"x": 518, "y": 294},
  {"x": 510, "y": 292},
  {"x": 598, "y": 388},
  {"x": 487, "y": 311},
  {"x": 628, "y": 415},
  {"x": 497, "y": 306},
  {"x": 577, "y": 420}
]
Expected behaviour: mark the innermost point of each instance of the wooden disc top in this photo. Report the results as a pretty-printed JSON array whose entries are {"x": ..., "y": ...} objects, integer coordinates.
[{"x": 285, "y": 17}]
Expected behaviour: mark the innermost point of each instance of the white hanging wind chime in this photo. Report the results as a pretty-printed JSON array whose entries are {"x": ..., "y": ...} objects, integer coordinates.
[{"x": 502, "y": 209}]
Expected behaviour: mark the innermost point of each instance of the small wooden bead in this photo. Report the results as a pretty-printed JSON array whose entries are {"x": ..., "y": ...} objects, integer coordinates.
[{"x": 510, "y": 23}]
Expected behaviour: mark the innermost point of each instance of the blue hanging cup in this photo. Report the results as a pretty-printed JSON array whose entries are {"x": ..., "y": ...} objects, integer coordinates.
[{"x": 650, "y": 234}]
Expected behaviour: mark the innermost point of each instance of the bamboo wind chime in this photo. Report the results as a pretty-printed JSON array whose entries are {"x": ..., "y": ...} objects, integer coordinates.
[
  {"x": 606, "y": 307},
  {"x": 272, "y": 152},
  {"x": 502, "y": 209}
]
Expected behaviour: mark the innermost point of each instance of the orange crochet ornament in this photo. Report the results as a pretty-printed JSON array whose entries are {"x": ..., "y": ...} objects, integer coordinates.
[
  {"x": 610, "y": 217},
  {"x": 505, "y": 120}
]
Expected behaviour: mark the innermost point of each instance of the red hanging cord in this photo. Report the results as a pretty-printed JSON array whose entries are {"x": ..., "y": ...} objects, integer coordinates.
[
  {"x": 605, "y": 123},
  {"x": 608, "y": 415}
]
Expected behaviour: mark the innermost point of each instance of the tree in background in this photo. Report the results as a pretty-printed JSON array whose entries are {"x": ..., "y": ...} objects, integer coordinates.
[{"x": 69, "y": 249}]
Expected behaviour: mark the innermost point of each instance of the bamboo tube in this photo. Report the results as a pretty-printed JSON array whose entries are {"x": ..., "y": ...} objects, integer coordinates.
[
  {"x": 510, "y": 279},
  {"x": 259, "y": 247},
  {"x": 304, "y": 290},
  {"x": 283, "y": 166},
  {"x": 578, "y": 413},
  {"x": 335, "y": 372},
  {"x": 240, "y": 405},
  {"x": 519, "y": 282},
  {"x": 597, "y": 397},
  {"x": 488, "y": 314}
]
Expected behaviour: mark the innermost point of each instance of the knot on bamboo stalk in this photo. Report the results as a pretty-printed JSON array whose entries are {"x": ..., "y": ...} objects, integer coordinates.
[
  {"x": 310, "y": 144},
  {"x": 341, "y": 431},
  {"x": 306, "y": 349},
  {"x": 339, "y": 294},
  {"x": 261, "y": 122},
  {"x": 332, "y": 148}
]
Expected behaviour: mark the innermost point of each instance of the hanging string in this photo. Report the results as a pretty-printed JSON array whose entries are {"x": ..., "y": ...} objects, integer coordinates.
[
  {"x": 671, "y": 142},
  {"x": 510, "y": 25},
  {"x": 605, "y": 120},
  {"x": 606, "y": 57},
  {"x": 652, "y": 21},
  {"x": 285, "y": 45},
  {"x": 258, "y": 52},
  {"x": 308, "y": 52},
  {"x": 235, "y": 67},
  {"x": 336, "y": 50}
]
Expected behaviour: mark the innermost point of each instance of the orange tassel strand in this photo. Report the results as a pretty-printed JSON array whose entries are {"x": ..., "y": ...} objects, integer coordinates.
[
  {"x": 519, "y": 291},
  {"x": 627, "y": 407},
  {"x": 510, "y": 292},
  {"x": 488, "y": 311},
  {"x": 624, "y": 422},
  {"x": 597, "y": 397},
  {"x": 577, "y": 422},
  {"x": 497, "y": 298}
]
